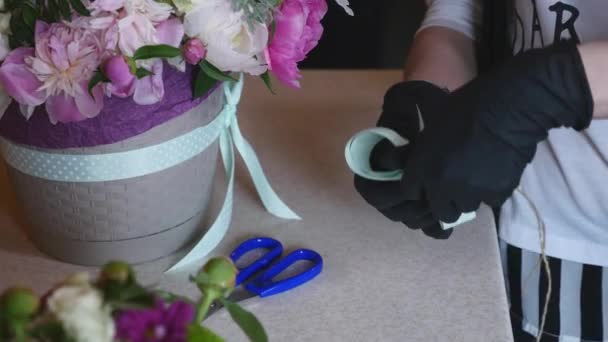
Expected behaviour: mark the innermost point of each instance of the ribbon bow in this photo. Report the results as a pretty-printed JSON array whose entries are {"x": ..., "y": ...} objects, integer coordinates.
[{"x": 231, "y": 137}]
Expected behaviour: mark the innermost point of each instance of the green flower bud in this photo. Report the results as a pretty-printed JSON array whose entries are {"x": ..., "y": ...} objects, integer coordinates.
[
  {"x": 218, "y": 274},
  {"x": 117, "y": 271},
  {"x": 19, "y": 303}
]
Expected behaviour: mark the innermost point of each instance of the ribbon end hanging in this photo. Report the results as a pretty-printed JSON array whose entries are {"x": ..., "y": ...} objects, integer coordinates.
[
  {"x": 272, "y": 202},
  {"x": 214, "y": 235}
]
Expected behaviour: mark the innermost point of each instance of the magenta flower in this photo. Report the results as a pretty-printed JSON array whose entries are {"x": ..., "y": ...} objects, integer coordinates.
[
  {"x": 194, "y": 51},
  {"x": 164, "y": 323},
  {"x": 298, "y": 30}
]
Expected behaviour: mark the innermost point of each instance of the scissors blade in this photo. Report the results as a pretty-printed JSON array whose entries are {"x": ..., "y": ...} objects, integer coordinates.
[{"x": 236, "y": 297}]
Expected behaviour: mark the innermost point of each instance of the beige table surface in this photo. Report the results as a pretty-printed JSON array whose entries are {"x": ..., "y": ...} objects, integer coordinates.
[{"x": 381, "y": 282}]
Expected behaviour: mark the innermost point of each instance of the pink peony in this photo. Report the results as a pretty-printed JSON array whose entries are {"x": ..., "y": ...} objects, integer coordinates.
[
  {"x": 122, "y": 80},
  {"x": 298, "y": 30},
  {"x": 194, "y": 51},
  {"x": 57, "y": 71},
  {"x": 131, "y": 24}
]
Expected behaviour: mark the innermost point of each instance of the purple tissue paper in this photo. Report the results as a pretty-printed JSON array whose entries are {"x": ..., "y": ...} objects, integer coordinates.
[{"x": 120, "y": 119}]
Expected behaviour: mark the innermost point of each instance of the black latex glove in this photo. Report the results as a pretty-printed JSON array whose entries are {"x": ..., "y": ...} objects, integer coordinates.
[
  {"x": 400, "y": 113},
  {"x": 491, "y": 128}
]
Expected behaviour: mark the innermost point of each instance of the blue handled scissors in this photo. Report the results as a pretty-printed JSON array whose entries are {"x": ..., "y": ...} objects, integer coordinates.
[{"x": 257, "y": 277}]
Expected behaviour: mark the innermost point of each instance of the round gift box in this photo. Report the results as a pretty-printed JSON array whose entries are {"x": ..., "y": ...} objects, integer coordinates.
[{"x": 135, "y": 220}]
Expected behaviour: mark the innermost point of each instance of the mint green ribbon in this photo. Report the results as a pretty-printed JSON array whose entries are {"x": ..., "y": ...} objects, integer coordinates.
[
  {"x": 231, "y": 137},
  {"x": 358, "y": 152}
]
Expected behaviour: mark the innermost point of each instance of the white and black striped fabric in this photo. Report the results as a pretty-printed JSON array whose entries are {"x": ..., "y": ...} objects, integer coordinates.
[{"x": 578, "y": 307}]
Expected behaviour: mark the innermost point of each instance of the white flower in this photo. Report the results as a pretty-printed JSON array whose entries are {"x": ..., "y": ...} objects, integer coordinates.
[
  {"x": 232, "y": 44},
  {"x": 137, "y": 21},
  {"x": 80, "y": 309}
]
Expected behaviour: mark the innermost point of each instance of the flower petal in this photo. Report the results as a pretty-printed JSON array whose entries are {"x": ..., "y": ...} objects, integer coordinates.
[
  {"x": 62, "y": 108},
  {"x": 178, "y": 63},
  {"x": 89, "y": 106},
  {"x": 170, "y": 32},
  {"x": 41, "y": 27},
  {"x": 18, "y": 55},
  {"x": 27, "y": 111},
  {"x": 18, "y": 81},
  {"x": 150, "y": 90}
]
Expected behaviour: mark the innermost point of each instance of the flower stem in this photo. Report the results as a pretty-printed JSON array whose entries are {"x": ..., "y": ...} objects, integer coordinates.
[{"x": 203, "y": 307}]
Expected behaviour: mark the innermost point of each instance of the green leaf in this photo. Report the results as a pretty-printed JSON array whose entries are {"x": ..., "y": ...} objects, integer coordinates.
[
  {"x": 64, "y": 8},
  {"x": 198, "y": 333},
  {"x": 273, "y": 30},
  {"x": 171, "y": 297},
  {"x": 121, "y": 296},
  {"x": 203, "y": 84},
  {"x": 255, "y": 10},
  {"x": 156, "y": 51},
  {"x": 247, "y": 321},
  {"x": 49, "y": 331},
  {"x": 53, "y": 10},
  {"x": 29, "y": 15},
  {"x": 98, "y": 77},
  {"x": 214, "y": 72},
  {"x": 143, "y": 72},
  {"x": 267, "y": 81},
  {"x": 79, "y": 7}
]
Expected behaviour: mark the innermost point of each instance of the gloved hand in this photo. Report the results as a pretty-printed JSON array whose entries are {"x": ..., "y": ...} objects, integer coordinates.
[
  {"x": 491, "y": 127},
  {"x": 400, "y": 113}
]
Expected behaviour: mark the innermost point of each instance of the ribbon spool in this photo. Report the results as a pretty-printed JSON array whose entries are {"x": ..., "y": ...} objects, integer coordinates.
[{"x": 358, "y": 152}]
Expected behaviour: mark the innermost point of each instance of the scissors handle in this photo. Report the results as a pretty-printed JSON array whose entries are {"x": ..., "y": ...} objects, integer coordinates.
[
  {"x": 263, "y": 285},
  {"x": 275, "y": 250}
]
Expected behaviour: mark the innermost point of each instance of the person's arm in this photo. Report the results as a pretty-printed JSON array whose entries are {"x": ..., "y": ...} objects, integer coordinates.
[
  {"x": 443, "y": 50},
  {"x": 595, "y": 57},
  {"x": 442, "y": 56}
]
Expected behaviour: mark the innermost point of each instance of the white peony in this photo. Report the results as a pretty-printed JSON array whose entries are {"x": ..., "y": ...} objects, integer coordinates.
[
  {"x": 232, "y": 44},
  {"x": 80, "y": 309}
]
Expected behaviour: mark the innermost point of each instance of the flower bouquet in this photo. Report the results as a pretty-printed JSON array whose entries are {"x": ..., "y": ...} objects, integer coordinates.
[
  {"x": 115, "y": 307},
  {"x": 113, "y": 113}
]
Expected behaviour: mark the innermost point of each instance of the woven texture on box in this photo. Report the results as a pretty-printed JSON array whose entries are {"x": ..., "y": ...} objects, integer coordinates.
[{"x": 127, "y": 209}]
